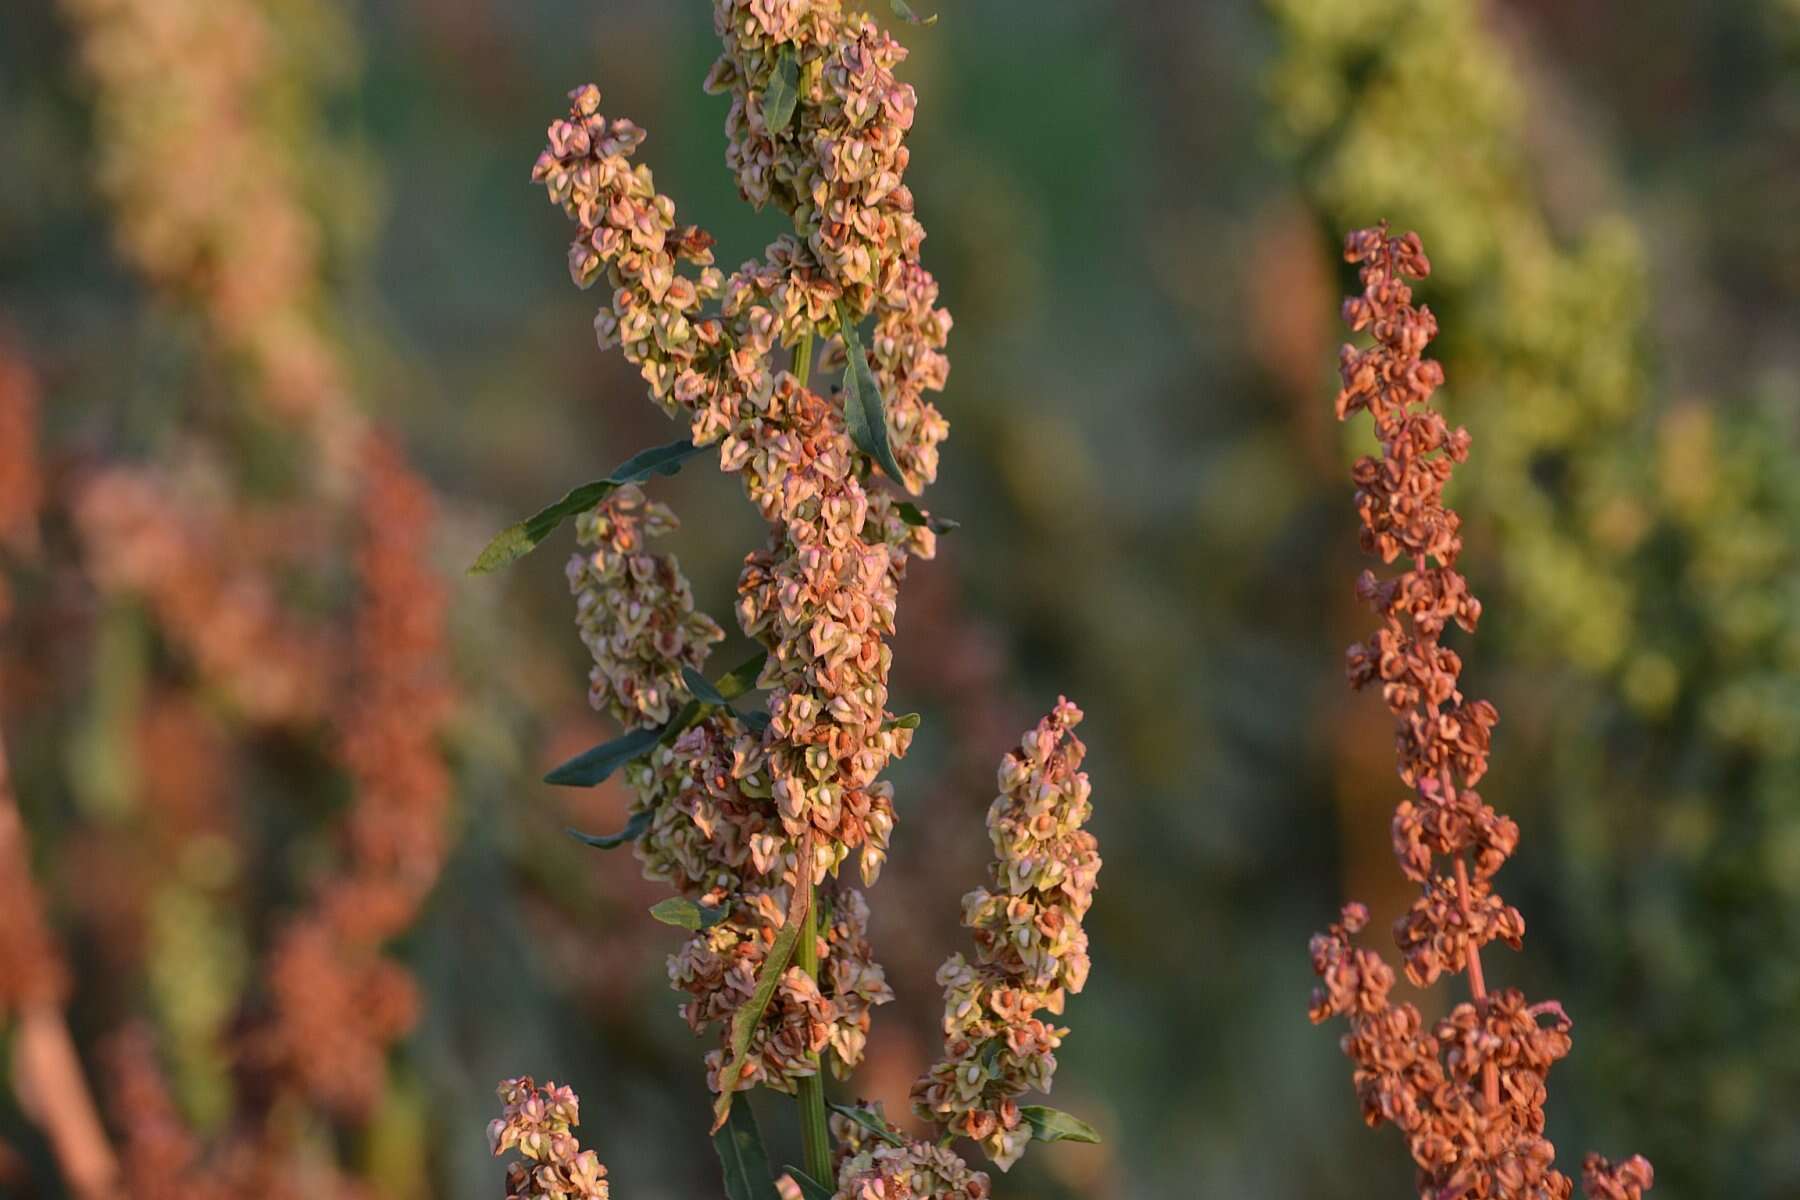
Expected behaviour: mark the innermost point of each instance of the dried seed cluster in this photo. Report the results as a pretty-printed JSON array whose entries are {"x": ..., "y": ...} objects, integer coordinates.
[
  {"x": 1030, "y": 947},
  {"x": 1468, "y": 1091},
  {"x": 539, "y": 1123},
  {"x": 731, "y": 809},
  {"x": 871, "y": 1168}
]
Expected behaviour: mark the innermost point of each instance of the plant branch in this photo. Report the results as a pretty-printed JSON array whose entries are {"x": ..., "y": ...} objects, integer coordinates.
[{"x": 815, "y": 1133}]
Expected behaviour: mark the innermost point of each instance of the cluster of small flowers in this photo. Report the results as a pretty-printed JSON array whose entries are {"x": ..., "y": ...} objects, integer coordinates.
[
  {"x": 873, "y": 1168},
  {"x": 538, "y": 1123},
  {"x": 714, "y": 832},
  {"x": 1031, "y": 948},
  {"x": 339, "y": 1005},
  {"x": 798, "y": 465},
  {"x": 716, "y": 836},
  {"x": 1469, "y": 1092},
  {"x": 838, "y": 169},
  {"x": 635, "y": 611},
  {"x": 821, "y": 596}
]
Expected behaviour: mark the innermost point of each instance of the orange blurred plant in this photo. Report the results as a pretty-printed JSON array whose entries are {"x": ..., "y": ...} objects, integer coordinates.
[{"x": 1468, "y": 1092}]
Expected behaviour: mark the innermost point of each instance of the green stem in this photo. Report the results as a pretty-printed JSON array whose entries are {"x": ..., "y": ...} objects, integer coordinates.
[
  {"x": 803, "y": 366},
  {"x": 815, "y": 1133}
]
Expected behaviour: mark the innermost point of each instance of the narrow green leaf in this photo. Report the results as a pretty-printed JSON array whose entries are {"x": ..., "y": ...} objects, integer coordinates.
[
  {"x": 516, "y": 541},
  {"x": 750, "y": 1014},
  {"x": 783, "y": 93},
  {"x": 810, "y": 1188},
  {"x": 658, "y": 460},
  {"x": 702, "y": 688},
  {"x": 688, "y": 714},
  {"x": 910, "y": 513},
  {"x": 1055, "y": 1125},
  {"x": 741, "y": 679},
  {"x": 904, "y": 11},
  {"x": 909, "y": 721},
  {"x": 756, "y": 722},
  {"x": 870, "y": 1121},
  {"x": 634, "y": 829},
  {"x": 596, "y": 765},
  {"x": 683, "y": 913},
  {"x": 742, "y": 1158},
  {"x": 864, "y": 411}
]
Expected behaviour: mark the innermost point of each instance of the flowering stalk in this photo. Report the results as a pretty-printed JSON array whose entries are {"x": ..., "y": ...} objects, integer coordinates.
[
  {"x": 750, "y": 817},
  {"x": 1468, "y": 1092}
]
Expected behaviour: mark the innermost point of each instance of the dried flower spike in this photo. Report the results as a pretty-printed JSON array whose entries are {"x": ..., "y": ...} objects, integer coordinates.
[
  {"x": 539, "y": 1123},
  {"x": 1468, "y": 1092},
  {"x": 1030, "y": 947}
]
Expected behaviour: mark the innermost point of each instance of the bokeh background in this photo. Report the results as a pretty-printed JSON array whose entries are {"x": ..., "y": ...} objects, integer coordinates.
[{"x": 214, "y": 212}]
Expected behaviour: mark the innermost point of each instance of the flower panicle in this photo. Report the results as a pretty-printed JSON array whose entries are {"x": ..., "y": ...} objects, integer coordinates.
[
  {"x": 1031, "y": 949},
  {"x": 1468, "y": 1091},
  {"x": 635, "y": 610},
  {"x": 538, "y": 1123}
]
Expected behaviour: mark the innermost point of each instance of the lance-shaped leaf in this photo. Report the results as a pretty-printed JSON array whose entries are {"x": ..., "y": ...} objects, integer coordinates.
[
  {"x": 750, "y": 1014},
  {"x": 741, "y": 679},
  {"x": 516, "y": 541},
  {"x": 701, "y": 688},
  {"x": 1055, "y": 1125},
  {"x": 805, "y": 1186},
  {"x": 634, "y": 829},
  {"x": 742, "y": 1158},
  {"x": 783, "y": 93},
  {"x": 870, "y": 1121},
  {"x": 911, "y": 514},
  {"x": 683, "y": 913},
  {"x": 904, "y": 11},
  {"x": 865, "y": 413},
  {"x": 595, "y": 766}
]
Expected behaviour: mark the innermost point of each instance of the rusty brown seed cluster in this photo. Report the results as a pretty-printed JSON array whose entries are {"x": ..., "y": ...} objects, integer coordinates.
[{"x": 1468, "y": 1091}]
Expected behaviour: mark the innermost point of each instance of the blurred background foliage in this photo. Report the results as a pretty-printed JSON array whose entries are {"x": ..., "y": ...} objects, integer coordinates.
[{"x": 1135, "y": 210}]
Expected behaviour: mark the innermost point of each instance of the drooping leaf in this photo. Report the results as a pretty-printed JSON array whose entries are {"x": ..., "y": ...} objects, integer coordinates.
[
  {"x": 909, "y": 721},
  {"x": 783, "y": 93},
  {"x": 1055, "y": 1125},
  {"x": 516, "y": 541},
  {"x": 701, "y": 687},
  {"x": 750, "y": 1014},
  {"x": 657, "y": 460},
  {"x": 594, "y": 766},
  {"x": 865, "y": 413},
  {"x": 742, "y": 1158},
  {"x": 634, "y": 829},
  {"x": 756, "y": 722},
  {"x": 809, "y": 1188},
  {"x": 869, "y": 1120},
  {"x": 911, "y": 514},
  {"x": 683, "y": 913},
  {"x": 904, "y": 11}
]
